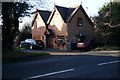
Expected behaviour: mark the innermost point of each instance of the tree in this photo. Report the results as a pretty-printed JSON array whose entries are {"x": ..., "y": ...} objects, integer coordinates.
[
  {"x": 108, "y": 23},
  {"x": 11, "y": 11},
  {"x": 27, "y": 28},
  {"x": 25, "y": 33},
  {"x": 110, "y": 12}
]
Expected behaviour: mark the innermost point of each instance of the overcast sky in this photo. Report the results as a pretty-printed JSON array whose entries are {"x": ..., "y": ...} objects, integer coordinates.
[{"x": 91, "y": 6}]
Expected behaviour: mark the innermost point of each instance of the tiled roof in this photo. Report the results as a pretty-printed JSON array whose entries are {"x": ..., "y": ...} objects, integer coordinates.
[
  {"x": 75, "y": 11},
  {"x": 45, "y": 15},
  {"x": 68, "y": 13},
  {"x": 65, "y": 12}
]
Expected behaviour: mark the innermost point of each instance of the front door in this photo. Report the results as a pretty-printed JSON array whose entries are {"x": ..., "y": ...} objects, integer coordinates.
[{"x": 49, "y": 41}]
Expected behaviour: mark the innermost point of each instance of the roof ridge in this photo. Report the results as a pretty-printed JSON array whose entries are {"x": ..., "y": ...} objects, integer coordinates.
[
  {"x": 60, "y": 6},
  {"x": 65, "y": 12},
  {"x": 45, "y": 15}
]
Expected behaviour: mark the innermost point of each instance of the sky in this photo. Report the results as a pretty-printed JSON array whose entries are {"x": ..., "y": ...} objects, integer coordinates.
[{"x": 90, "y": 6}]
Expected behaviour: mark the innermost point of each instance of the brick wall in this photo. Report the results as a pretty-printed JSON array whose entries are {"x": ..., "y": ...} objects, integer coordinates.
[
  {"x": 38, "y": 29},
  {"x": 87, "y": 29},
  {"x": 59, "y": 27}
]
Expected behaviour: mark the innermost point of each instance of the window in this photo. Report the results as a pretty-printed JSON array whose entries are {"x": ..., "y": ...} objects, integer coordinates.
[
  {"x": 30, "y": 40},
  {"x": 79, "y": 22},
  {"x": 60, "y": 39},
  {"x": 42, "y": 37}
]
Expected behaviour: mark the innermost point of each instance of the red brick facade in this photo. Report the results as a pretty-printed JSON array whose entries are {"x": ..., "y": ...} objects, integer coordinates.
[{"x": 60, "y": 31}]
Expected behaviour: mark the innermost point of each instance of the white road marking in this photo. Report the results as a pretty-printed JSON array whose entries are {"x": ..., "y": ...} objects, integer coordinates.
[
  {"x": 48, "y": 74},
  {"x": 108, "y": 62}
]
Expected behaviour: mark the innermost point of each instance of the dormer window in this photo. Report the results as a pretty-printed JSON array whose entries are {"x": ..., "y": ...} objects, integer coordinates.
[{"x": 79, "y": 22}]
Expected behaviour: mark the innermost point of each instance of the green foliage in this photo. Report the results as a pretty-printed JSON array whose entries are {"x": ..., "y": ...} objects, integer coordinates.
[
  {"x": 115, "y": 13},
  {"x": 108, "y": 23},
  {"x": 110, "y": 12},
  {"x": 25, "y": 33},
  {"x": 27, "y": 28},
  {"x": 11, "y": 11},
  {"x": 107, "y": 47},
  {"x": 104, "y": 9},
  {"x": 18, "y": 55}
]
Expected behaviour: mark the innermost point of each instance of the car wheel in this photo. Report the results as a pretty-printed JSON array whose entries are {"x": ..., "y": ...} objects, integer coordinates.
[{"x": 31, "y": 47}]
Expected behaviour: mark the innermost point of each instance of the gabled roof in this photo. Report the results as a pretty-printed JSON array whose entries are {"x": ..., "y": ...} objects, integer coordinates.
[
  {"x": 51, "y": 16},
  {"x": 65, "y": 12},
  {"x": 75, "y": 11},
  {"x": 44, "y": 14},
  {"x": 68, "y": 13},
  {"x": 34, "y": 19}
]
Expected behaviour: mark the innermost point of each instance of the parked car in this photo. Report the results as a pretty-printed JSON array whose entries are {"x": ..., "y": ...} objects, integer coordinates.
[
  {"x": 90, "y": 44},
  {"x": 94, "y": 43},
  {"x": 32, "y": 44},
  {"x": 83, "y": 45}
]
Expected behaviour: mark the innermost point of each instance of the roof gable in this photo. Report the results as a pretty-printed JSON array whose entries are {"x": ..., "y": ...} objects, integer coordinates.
[
  {"x": 68, "y": 13},
  {"x": 65, "y": 12},
  {"x": 51, "y": 17},
  {"x": 34, "y": 19},
  {"x": 62, "y": 11},
  {"x": 43, "y": 14},
  {"x": 75, "y": 11}
]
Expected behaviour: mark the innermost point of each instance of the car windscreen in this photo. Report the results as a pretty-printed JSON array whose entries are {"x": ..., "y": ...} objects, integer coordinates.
[{"x": 30, "y": 40}]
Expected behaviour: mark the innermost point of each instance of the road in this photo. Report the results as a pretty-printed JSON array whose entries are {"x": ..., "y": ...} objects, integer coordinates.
[{"x": 64, "y": 66}]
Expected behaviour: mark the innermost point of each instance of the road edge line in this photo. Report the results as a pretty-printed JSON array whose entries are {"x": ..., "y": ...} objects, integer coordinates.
[{"x": 48, "y": 74}]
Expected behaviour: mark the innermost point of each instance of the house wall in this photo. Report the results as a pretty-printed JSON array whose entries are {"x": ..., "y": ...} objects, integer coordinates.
[
  {"x": 58, "y": 23},
  {"x": 38, "y": 29},
  {"x": 87, "y": 29},
  {"x": 59, "y": 27}
]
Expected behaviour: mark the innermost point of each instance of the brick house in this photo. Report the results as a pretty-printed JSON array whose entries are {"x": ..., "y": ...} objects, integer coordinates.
[
  {"x": 62, "y": 25},
  {"x": 39, "y": 25}
]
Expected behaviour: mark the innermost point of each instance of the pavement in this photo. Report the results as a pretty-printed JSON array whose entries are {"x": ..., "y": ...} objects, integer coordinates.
[
  {"x": 53, "y": 51},
  {"x": 62, "y": 65},
  {"x": 115, "y": 53}
]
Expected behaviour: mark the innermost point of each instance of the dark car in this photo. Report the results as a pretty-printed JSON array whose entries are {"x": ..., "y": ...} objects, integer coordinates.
[
  {"x": 88, "y": 45},
  {"x": 94, "y": 43},
  {"x": 32, "y": 44}
]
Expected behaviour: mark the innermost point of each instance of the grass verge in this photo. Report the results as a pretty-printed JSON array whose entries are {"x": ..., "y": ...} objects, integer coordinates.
[
  {"x": 16, "y": 56},
  {"x": 107, "y": 48}
]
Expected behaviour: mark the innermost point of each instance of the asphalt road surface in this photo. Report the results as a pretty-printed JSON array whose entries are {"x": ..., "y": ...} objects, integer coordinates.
[{"x": 63, "y": 66}]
